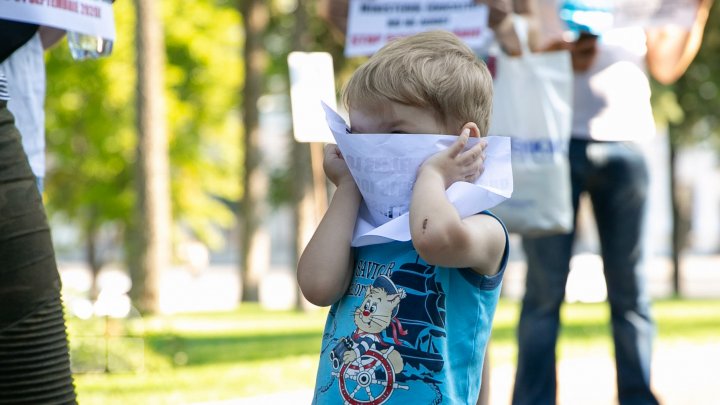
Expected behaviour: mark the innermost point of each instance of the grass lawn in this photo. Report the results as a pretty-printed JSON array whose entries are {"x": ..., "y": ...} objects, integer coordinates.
[{"x": 200, "y": 357}]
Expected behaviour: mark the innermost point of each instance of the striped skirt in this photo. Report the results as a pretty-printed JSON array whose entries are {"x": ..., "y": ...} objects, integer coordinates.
[{"x": 34, "y": 359}]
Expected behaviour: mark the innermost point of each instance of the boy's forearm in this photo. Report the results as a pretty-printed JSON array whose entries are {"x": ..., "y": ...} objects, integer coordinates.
[
  {"x": 324, "y": 268},
  {"x": 441, "y": 237},
  {"x": 434, "y": 221}
]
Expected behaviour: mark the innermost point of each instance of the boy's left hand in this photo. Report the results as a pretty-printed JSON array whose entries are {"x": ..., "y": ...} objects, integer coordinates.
[
  {"x": 335, "y": 167},
  {"x": 453, "y": 164}
]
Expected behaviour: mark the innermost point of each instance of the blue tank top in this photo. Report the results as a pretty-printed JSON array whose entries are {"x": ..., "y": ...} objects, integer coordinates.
[{"x": 407, "y": 332}]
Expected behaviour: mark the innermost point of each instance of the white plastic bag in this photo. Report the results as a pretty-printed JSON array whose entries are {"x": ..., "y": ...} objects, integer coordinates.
[{"x": 533, "y": 105}]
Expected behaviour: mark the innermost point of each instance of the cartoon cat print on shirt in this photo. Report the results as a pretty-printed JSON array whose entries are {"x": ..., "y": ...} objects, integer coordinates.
[
  {"x": 375, "y": 314},
  {"x": 365, "y": 357}
]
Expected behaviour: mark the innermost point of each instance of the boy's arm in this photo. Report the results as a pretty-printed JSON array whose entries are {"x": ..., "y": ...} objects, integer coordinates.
[
  {"x": 325, "y": 266},
  {"x": 438, "y": 233}
]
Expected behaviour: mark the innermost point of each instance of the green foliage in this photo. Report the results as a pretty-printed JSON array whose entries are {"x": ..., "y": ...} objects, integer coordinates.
[
  {"x": 90, "y": 134},
  {"x": 204, "y": 77},
  {"x": 91, "y": 122},
  {"x": 691, "y": 104}
]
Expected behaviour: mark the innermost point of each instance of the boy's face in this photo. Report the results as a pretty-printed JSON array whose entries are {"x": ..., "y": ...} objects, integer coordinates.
[{"x": 395, "y": 118}]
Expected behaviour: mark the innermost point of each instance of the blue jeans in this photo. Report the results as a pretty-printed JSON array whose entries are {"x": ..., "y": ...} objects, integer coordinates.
[{"x": 615, "y": 176}]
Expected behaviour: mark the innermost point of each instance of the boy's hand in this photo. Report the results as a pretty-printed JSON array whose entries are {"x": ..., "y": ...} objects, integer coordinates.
[
  {"x": 453, "y": 164},
  {"x": 336, "y": 169}
]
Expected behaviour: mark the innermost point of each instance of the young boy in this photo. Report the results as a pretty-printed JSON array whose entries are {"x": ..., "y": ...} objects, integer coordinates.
[{"x": 409, "y": 321}]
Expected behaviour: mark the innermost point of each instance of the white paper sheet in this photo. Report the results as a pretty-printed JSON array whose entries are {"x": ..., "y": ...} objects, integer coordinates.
[{"x": 385, "y": 166}]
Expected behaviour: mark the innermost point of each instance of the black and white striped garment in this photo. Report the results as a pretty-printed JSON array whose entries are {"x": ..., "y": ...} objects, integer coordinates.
[{"x": 4, "y": 94}]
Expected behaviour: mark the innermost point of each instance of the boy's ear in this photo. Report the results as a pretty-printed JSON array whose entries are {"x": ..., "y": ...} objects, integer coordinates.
[{"x": 474, "y": 130}]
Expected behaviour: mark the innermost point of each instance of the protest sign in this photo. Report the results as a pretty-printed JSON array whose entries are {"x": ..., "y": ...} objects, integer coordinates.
[
  {"x": 91, "y": 17},
  {"x": 371, "y": 24}
]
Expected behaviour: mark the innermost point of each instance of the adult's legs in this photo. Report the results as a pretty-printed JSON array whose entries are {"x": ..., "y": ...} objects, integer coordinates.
[
  {"x": 547, "y": 271},
  {"x": 618, "y": 189},
  {"x": 548, "y": 265},
  {"x": 34, "y": 359}
]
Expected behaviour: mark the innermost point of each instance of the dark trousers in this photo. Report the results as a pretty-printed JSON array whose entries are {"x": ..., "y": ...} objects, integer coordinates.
[
  {"x": 34, "y": 359},
  {"x": 614, "y": 174}
]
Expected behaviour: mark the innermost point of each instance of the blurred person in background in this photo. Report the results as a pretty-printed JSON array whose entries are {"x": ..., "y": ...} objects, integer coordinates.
[{"x": 611, "y": 112}]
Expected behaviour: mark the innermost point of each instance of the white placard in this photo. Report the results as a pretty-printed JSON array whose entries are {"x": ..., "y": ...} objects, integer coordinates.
[
  {"x": 92, "y": 17},
  {"x": 371, "y": 24},
  {"x": 385, "y": 168},
  {"x": 312, "y": 82}
]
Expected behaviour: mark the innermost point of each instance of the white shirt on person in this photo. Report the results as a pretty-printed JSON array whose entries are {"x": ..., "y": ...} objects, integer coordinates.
[
  {"x": 25, "y": 73},
  {"x": 612, "y": 99}
]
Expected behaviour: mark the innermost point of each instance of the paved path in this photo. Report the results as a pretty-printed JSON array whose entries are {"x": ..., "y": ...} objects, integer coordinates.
[{"x": 682, "y": 375}]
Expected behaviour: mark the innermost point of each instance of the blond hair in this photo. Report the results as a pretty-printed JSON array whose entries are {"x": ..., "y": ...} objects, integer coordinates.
[{"x": 428, "y": 70}]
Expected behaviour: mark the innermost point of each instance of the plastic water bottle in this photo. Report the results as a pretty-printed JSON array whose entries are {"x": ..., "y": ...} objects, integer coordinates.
[{"x": 84, "y": 46}]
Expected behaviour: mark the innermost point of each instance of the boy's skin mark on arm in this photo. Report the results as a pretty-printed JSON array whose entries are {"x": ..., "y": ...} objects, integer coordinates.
[{"x": 425, "y": 221}]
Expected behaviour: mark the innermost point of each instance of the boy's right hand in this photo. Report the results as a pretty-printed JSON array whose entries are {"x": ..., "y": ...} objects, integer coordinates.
[{"x": 335, "y": 167}]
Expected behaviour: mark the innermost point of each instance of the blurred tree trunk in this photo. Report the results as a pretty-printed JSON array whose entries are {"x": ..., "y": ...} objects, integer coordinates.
[
  {"x": 152, "y": 235},
  {"x": 310, "y": 196},
  {"x": 304, "y": 206},
  {"x": 681, "y": 205},
  {"x": 675, "y": 242},
  {"x": 304, "y": 203},
  {"x": 92, "y": 257},
  {"x": 675, "y": 139},
  {"x": 253, "y": 209}
]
